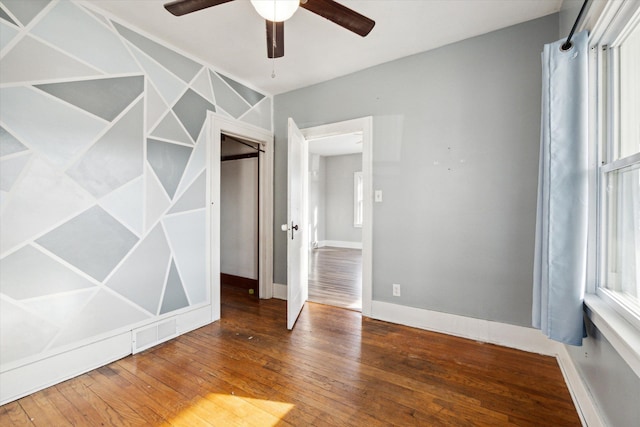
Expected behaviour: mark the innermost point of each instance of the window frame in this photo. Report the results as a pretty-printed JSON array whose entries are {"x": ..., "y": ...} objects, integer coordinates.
[
  {"x": 608, "y": 144},
  {"x": 609, "y": 313}
]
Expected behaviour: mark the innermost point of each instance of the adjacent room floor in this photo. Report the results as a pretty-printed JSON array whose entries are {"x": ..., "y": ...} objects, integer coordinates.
[{"x": 335, "y": 277}]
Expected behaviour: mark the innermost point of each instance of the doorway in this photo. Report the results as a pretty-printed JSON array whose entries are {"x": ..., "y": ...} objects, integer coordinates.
[
  {"x": 239, "y": 184},
  {"x": 361, "y": 133},
  {"x": 335, "y": 189},
  {"x": 220, "y": 128}
]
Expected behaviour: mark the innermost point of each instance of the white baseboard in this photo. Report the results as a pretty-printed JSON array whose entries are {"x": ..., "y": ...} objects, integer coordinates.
[
  {"x": 280, "y": 291},
  {"x": 27, "y": 379},
  {"x": 582, "y": 399},
  {"x": 34, "y": 376},
  {"x": 518, "y": 337},
  {"x": 340, "y": 244}
]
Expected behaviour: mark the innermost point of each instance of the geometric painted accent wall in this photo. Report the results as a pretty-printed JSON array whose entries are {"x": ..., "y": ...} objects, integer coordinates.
[{"x": 103, "y": 176}]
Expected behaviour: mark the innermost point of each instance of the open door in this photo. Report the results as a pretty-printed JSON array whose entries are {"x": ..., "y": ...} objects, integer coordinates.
[{"x": 296, "y": 227}]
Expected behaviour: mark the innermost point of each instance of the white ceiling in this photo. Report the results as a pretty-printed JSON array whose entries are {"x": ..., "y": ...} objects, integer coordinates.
[
  {"x": 337, "y": 145},
  {"x": 231, "y": 37}
]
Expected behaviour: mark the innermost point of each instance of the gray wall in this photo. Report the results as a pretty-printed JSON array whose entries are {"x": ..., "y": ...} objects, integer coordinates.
[
  {"x": 339, "y": 197},
  {"x": 611, "y": 382},
  {"x": 456, "y": 139}
]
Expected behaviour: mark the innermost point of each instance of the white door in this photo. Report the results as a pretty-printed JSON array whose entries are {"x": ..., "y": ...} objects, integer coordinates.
[{"x": 296, "y": 227}]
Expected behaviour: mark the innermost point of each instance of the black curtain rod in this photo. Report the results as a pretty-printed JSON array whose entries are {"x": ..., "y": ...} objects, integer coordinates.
[{"x": 567, "y": 44}]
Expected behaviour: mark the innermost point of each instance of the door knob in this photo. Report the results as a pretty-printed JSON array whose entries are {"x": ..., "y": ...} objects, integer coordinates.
[
  {"x": 293, "y": 228},
  {"x": 285, "y": 227}
]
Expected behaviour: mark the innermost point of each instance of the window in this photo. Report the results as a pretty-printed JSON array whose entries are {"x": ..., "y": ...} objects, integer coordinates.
[
  {"x": 619, "y": 174},
  {"x": 358, "y": 199}
]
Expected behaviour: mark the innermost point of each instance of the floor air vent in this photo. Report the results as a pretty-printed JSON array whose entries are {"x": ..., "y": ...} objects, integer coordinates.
[{"x": 149, "y": 336}]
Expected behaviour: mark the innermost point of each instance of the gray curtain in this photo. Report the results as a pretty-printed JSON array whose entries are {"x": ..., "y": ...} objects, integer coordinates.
[{"x": 561, "y": 225}]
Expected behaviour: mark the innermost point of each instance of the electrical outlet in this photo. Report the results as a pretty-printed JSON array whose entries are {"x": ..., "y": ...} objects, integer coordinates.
[{"x": 396, "y": 290}]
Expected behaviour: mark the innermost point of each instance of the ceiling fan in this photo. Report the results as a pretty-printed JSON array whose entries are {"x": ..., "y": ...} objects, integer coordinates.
[{"x": 270, "y": 10}]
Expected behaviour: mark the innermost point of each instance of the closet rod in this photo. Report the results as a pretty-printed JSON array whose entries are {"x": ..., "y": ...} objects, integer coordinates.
[
  {"x": 567, "y": 44},
  {"x": 239, "y": 157},
  {"x": 224, "y": 137}
]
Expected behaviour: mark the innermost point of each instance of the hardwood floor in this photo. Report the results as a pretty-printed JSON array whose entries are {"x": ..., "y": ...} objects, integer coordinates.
[
  {"x": 335, "y": 277},
  {"x": 334, "y": 368}
]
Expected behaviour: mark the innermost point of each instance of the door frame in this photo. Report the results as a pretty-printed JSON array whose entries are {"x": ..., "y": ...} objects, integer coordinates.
[
  {"x": 217, "y": 125},
  {"x": 364, "y": 125}
]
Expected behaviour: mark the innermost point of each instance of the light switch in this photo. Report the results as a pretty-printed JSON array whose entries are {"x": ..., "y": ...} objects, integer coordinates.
[{"x": 378, "y": 196}]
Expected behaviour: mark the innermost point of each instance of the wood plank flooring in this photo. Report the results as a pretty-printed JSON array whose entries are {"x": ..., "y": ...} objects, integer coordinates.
[
  {"x": 334, "y": 369},
  {"x": 335, "y": 277}
]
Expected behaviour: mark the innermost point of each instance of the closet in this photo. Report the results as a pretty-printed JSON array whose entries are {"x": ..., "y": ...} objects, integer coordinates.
[{"x": 239, "y": 210}]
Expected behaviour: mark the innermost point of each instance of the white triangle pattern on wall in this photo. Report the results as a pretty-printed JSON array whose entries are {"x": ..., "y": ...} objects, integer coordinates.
[
  {"x": 44, "y": 138},
  {"x": 126, "y": 204}
]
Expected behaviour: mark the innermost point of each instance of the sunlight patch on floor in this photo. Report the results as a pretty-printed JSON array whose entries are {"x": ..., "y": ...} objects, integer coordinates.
[{"x": 217, "y": 408}]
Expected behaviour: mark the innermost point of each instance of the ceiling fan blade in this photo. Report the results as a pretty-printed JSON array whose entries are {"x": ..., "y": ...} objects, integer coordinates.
[
  {"x": 341, "y": 15},
  {"x": 182, "y": 7},
  {"x": 275, "y": 45}
]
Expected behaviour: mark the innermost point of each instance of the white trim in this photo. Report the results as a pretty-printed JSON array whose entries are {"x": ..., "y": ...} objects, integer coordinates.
[
  {"x": 623, "y": 336},
  {"x": 621, "y": 163},
  {"x": 582, "y": 399},
  {"x": 27, "y": 379},
  {"x": 622, "y": 304},
  {"x": 610, "y": 20},
  {"x": 357, "y": 210},
  {"x": 364, "y": 125},
  {"x": 519, "y": 337},
  {"x": 339, "y": 244},
  {"x": 280, "y": 291},
  {"x": 618, "y": 326},
  {"x": 40, "y": 374},
  {"x": 218, "y": 125}
]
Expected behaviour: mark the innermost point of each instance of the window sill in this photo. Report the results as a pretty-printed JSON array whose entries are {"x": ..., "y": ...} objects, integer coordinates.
[{"x": 623, "y": 336}]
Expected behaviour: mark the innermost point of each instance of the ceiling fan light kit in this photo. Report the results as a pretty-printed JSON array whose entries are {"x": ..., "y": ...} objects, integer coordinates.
[{"x": 278, "y": 11}]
